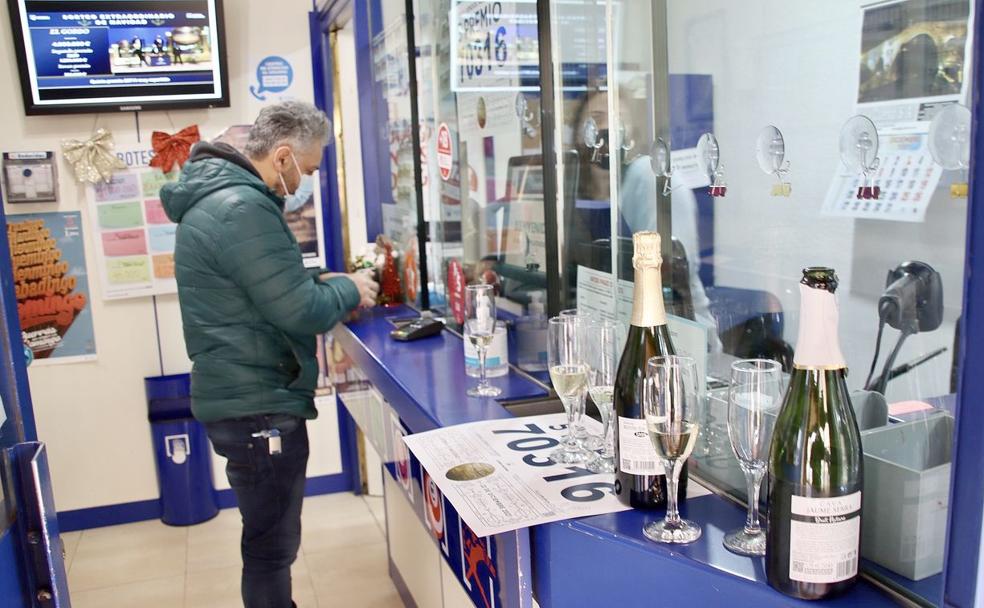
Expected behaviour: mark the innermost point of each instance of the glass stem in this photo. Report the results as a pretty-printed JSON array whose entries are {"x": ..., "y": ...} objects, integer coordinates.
[
  {"x": 672, "y": 484},
  {"x": 607, "y": 447},
  {"x": 754, "y": 481},
  {"x": 483, "y": 380},
  {"x": 571, "y": 407}
]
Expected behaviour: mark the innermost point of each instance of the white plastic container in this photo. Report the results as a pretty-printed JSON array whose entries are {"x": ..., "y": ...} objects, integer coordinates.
[
  {"x": 496, "y": 359},
  {"x": 531, "y": 336}
]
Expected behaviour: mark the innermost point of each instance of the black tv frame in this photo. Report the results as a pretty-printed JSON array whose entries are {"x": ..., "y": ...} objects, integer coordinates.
[{"x": 32, "y": 109}]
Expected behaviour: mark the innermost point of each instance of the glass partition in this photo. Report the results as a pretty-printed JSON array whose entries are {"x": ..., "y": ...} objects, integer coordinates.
[
  {"x": 392, "y": 100},
  {"x": 480, "y": 119},
  {"x": 836, "y": 138},
  {"x": 758, "y": 139}
]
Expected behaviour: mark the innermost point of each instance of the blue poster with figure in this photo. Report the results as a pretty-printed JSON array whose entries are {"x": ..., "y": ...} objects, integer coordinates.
[{"x": 52, "y": 285}]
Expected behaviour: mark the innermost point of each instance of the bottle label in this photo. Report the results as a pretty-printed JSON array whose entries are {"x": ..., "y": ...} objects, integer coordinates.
[
  {"x": 824, "y": 538},
  {"x": 636, "y": 453}
]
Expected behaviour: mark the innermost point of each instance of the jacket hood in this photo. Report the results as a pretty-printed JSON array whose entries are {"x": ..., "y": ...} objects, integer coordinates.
[{"x": 210, "y": 168}]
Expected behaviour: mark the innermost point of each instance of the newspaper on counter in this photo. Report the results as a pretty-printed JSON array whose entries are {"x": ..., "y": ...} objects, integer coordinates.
[{"x": 498, "y": 476}]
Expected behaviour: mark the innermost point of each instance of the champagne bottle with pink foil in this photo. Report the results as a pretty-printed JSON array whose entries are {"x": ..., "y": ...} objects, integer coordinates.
[{"x": 813, "y": 543}]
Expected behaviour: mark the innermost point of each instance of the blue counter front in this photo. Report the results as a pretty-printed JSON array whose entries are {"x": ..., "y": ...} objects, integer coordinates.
[{"x": 594, "y": 561}]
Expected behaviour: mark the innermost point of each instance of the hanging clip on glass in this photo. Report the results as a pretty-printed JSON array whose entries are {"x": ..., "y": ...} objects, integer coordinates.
[
  {"x": 662, "y": 167},
  {"x": 859, "y": 153},
  {"x": 594, "y": 141},
  {"x": 771, "y": 156},
  {"x": 949, "y": 143},
  {"x": 709, "y": 157}
]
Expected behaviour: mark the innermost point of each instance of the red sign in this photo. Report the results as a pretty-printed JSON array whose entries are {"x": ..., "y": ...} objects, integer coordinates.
[
  {"x": 456, "y": 290},
  {"x": 444, "y": 154}
]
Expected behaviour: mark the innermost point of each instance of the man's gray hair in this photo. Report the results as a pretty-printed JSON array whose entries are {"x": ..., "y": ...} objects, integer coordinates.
[{"x": 294, "y": 123}]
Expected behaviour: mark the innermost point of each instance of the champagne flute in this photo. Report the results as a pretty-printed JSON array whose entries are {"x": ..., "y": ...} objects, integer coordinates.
[
  {"x": 671, "y": 407},
  {"x": 588, "y": 441},
  {"x": 602, "y": 352},
  {"x": 753, "y": 403},
  {"x": 569, "y": 375},
  {"x": 479, "y": 330}
]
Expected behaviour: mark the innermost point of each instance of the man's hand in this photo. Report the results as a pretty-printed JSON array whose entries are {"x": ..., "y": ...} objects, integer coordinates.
[{"x": 368, "y": 288}]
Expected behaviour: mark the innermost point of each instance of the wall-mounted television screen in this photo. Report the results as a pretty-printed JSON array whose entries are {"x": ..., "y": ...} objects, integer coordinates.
[{"x": 104, "y": 55}]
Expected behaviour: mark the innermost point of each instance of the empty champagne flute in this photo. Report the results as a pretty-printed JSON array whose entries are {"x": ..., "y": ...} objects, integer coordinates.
[
  {"x": 671, "y": 407},
  {"x": 602, "y": 350},
  {"x": 753, "y": 403},
  {"x": 587, "y": 440},
  {"x": 569, "y": 375},
  {"x": 479, "y": 330}
]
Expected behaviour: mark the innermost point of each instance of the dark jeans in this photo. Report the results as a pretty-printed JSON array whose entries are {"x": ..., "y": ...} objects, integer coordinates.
[{"x": 270, "y": 489}]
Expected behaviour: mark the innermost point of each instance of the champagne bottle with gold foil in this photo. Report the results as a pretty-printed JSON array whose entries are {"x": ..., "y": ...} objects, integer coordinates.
[
  {"x": 813, "y": 543},
  {"x": 639, "y": 478}
]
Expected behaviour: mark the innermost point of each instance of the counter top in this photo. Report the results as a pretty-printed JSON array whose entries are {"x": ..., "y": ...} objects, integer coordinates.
[{"x": 425, "y": 382}]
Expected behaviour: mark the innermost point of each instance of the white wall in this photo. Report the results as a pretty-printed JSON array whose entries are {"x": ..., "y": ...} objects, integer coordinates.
[
  {"x": 93, "y": 415},
  {"x": 794, "y": 66}
]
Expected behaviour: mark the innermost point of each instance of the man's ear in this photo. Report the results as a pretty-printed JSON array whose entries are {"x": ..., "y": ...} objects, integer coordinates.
[{"x": 281, "y": 156}]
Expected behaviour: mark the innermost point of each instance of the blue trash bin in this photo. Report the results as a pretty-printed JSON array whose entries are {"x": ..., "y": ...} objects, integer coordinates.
[{"x": 182, "y": 454}]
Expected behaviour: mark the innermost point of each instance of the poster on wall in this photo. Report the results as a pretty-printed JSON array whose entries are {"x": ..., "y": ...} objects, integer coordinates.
[
  {"x": 307, "y": 225},
  {"x": 134, "y": 239},
  {"x": 915, "y": 56},
  {"x": 52, "y": 286}
]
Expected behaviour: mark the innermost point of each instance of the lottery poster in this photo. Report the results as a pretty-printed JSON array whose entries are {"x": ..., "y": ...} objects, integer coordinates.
[
  {"x": 52, "y": 286},
  {"x": 134, "y": 239}
]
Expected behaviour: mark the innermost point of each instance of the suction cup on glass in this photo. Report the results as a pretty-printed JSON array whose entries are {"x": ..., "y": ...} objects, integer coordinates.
[
  {"x": 771, "y": 156},
  {"x": 526, "y": 117},
  {"x": 709, "y": 159},
  {"x": 592, "y": 139},
  {"x": 661, "y": 160},
  {"x": 949, "y": 143},
  {"x": 859, "y": 153}
]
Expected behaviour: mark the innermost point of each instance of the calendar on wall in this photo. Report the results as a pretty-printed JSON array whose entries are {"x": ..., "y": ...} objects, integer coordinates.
[{"x": 906, "y": 176}]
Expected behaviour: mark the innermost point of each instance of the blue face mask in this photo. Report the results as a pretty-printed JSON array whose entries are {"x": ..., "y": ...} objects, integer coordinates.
[
  {"x": 293, "y": 202},
  {"x": 305, "y": 189}
]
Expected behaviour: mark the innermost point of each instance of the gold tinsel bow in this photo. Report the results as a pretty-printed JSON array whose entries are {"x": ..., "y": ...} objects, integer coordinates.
[{"x": 93, "y": 159}]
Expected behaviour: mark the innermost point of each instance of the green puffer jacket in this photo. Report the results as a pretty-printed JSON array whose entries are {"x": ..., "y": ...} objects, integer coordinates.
[{"x": 250, "y": 309}]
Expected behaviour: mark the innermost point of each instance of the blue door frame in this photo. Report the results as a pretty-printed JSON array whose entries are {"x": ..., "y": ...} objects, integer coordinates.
[{"x": 962, "y": 571}]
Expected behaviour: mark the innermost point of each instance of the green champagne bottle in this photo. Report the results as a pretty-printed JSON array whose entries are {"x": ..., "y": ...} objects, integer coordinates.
[
  {"x": 639, "y": 478},
  {"x": 813, "y": 543}
]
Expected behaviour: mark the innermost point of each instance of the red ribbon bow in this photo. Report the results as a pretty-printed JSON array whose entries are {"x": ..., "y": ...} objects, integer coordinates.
[{"x": 171, "y": 149}]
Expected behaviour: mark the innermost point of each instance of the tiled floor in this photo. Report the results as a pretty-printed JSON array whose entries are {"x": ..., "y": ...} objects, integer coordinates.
[{"x": 150, "y": 565}]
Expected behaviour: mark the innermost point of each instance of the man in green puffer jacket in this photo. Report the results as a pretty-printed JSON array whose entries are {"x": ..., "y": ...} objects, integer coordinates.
[{"x": 251, "y": 314}]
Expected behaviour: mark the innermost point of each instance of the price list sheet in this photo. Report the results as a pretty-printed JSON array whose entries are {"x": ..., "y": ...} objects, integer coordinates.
[{"x": 498, "y": 475}]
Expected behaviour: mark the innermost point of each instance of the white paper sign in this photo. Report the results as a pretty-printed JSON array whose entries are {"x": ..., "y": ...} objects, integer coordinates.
[{"x": 498, "y": 476}]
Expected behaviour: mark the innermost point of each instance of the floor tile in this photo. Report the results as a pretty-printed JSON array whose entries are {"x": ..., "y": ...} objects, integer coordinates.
[
  {"x": 378, "y": 509},
  {"x": 70, "y": 542},
  {"x": 318, "y": 539},
  {"x": 144, "y": 565},
  {"x": 118, "y": 555},
  {"x": 159, "y": 593},
  {"x": 220, "y": 587},
  {"x": 215, "y": 543},
  {"x": 357, "y": 576}
]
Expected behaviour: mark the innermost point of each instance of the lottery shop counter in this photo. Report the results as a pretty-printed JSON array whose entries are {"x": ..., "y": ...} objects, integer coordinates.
[{"x": 435, "y": 560}]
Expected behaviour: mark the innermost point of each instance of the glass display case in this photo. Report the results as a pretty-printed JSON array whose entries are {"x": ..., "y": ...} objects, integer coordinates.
[{"x": 757, "y": 139}]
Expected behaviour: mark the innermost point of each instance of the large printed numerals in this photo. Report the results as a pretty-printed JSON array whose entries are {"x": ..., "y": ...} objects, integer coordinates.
[
  {"x": 483, "y": 54},
  {"x": 539, "y": 440}
]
